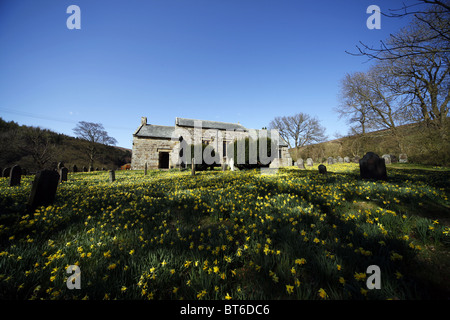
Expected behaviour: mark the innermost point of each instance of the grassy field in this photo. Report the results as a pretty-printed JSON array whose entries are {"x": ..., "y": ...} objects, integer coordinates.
[{"x": 231, "y": 235}]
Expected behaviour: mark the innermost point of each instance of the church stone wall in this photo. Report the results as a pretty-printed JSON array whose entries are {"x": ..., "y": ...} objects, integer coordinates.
[{"x": 146, "y": 149}]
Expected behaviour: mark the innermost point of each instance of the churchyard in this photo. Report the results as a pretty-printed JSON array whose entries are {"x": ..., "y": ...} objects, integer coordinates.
[{"x": 294, "y": 234}]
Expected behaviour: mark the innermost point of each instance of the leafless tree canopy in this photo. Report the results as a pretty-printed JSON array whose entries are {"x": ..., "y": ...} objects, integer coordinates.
[
  {"x": 299, "y": 130},
  {"x": 353, "y": 105},
  {"x": 93, "y": 133},
  {"x": 431, "y": 21},
  {"x": 410, "y": 79},
  {"x": 37, "y": 143}
]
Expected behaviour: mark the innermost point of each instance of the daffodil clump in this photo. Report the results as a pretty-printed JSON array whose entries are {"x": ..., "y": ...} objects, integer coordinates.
[{"x": 226, "y": 235}]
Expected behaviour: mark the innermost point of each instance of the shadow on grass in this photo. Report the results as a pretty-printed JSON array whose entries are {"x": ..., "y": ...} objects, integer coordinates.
[{"x": 344, "y": 248}]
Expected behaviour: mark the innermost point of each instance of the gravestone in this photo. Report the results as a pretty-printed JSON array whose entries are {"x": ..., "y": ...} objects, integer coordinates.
[
  {"x": 393, "y": 158},
  {"x": 85, "y": 169},
  {"x": 275, "y": 163},
  {"x": 112, "y": 176},
  {"x": 63, "y": 174},
  {"x": 15, "y": 175},
  {"x": 403, "y": 158},
  {"x": 145, "y": 169},
  {"x": 309, "y": 162},
  {"x": 232, "y": 164},
  {"x": 60, "y": 165},
  {"x": 91, "y": 169},
  {"x": 330, "y": 160},
  {"x": 387, "y": 158},
  {"x": 74, "y": 168},
  {"x": 322, "y": 169},
  {"x": 6, "y": 172},
  {"x": 43, "y": 189},
  {"x": 346, "y": 159},
  {"x": 24, "y": 171},
  {"x": 300, "y": 163},
  {"x": 340, "y": 159},
  {"x": 371, "y": 166}
]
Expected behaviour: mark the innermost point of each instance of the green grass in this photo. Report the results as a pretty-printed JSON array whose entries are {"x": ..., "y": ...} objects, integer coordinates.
[{"x": 169, "y": 235}]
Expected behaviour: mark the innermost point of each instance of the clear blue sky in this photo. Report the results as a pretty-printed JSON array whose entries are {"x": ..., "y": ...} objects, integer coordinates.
[{"x": 244, "y": 61}]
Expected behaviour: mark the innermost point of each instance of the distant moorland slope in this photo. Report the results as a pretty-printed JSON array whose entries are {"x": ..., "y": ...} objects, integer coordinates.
[
  {"x": 34, "y": 148},
  {"x": 419, "y": 142}
]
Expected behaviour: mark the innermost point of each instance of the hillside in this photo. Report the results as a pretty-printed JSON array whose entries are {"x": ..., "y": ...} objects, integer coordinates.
[
  {"x": 418, "y": 141},
  {"x": 34, "y": 148}
]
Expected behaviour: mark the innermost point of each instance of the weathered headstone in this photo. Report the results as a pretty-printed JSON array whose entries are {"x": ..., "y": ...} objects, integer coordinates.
[
  {"x": 300, "y": 163},
  {"x": 85, "y": 169},
  {"x": 6, "y": 172},
  {"x": 330, "y": 160},
  {"x": 15, "y": 175},
  {"x": 322, "y": 169},
  {"x": 387, "y": 158},
  {"x": 371, "y": 166},
  {"x": 63, "y": 174},
  {"x": 403, "y": 158},
  {"x": 74, "y": 168},
  {"x": 393, "y": 158},
  {"x": 275, "y": 163},
  {"x": 346, "y": 159},
  {"x": 309, "y": 162},
  {"x": 43, "y": 189},
  {"x": 340, "y": 159},
  {"x": 112, "y": 175}
]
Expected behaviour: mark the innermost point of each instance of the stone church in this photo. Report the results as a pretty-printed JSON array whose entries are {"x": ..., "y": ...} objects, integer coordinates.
[{"x": 159, "y": 146}]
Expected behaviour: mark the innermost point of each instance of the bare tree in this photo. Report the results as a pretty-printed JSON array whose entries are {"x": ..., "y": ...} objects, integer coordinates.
[
  {"x": 299, "y": 130},
  {"x": 375, "y": 97},
  {"x": 93, "y": 133},
  {"x": 416, "y": 62},
  {"x": 425, "y": 80},
  {"x": 432, "y": 15},
  {"x": 353, "y": 105},
  {"x": 39, "y": 144}
]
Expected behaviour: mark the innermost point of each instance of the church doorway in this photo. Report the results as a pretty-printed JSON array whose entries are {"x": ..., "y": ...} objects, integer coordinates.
[{"x": 163, "y": 160}]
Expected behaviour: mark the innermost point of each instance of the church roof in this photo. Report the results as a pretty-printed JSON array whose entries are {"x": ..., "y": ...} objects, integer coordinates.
[
  {"x": 155, "y": 131},
  {"x": 207, "y": 124},
  {"x": 167, "y": 132}
]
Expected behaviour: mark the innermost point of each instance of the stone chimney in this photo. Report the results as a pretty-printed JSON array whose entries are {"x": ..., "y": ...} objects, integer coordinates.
[{"x": 143, "y": 121}]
